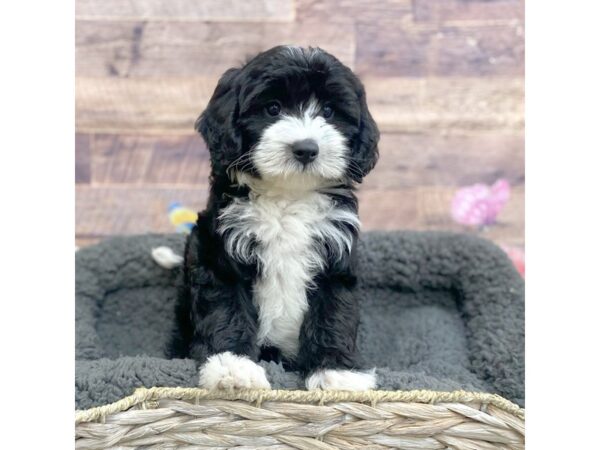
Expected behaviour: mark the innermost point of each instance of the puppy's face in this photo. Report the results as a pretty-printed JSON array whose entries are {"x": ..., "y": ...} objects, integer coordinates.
[{"x": 290, "y": 115}]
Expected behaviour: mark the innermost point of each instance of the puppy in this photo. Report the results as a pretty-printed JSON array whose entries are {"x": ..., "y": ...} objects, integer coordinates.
[{"x": 269, "y": 268}]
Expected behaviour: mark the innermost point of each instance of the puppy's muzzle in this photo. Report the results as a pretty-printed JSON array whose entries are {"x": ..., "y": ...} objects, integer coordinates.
[{"x": 305, "y": 151}]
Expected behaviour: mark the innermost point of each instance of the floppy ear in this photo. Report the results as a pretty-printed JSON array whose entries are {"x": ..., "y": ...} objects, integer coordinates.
[
  {"x": 365, "y": 151},
  {"x": 218, "y": 123}
]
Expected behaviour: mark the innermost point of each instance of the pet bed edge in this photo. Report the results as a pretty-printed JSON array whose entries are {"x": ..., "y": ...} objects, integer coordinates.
[{"x": 147, "y": 398}]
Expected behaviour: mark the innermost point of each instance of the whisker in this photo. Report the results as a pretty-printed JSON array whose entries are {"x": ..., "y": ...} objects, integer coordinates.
[{"x": 243, "y": 159}]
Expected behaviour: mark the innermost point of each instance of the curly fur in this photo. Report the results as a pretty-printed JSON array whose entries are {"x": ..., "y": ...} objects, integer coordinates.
[{"x": 269, "y": 267}]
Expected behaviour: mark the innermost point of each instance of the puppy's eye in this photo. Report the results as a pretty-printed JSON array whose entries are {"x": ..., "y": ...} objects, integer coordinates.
[
  {"x": 273, "y": 109},
  {"x": 327, "y": 112}
]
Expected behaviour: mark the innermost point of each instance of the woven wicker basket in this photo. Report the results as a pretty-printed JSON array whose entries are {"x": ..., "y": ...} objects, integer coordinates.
[{"x": 187, "y": 418}]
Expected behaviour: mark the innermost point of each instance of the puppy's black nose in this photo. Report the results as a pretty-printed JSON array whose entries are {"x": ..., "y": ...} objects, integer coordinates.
[{"x": 305, "y": 151}]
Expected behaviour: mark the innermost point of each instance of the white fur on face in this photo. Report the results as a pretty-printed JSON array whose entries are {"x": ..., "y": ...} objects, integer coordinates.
[
  {"x": 284, "y": 233},
  {"x": 229, "y": 371},
  {"x": 341, "y": 380},
  {"x": 273, "y": 157}
]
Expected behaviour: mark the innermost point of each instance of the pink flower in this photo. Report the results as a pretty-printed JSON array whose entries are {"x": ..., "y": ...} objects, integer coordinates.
[{"x": 480, "y": 204}]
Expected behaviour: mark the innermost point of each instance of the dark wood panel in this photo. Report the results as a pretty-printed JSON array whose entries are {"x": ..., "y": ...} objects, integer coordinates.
[
  {"x": 453, "y": 160},
  {"x": 184, "y": 161},
  {"x": 468, "y": 10},
  {"x": 344, "y": 11},
  {"x": 221, "y": 10},
  {"x": 141, "y": 49},
  {"x": 107, "y": 211},
  {"x": 171, "y": 105},
  {"x": 389, "y": 50},
  {"x": 116, "y": 160},
  {"x": 82, "y": 158},
  {"x": 127, "y": 159}
]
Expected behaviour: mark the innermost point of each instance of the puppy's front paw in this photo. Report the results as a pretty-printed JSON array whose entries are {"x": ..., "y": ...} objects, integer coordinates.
[
  {"x": 229, "y": 371},
  {"x": 341, "y": 380}
]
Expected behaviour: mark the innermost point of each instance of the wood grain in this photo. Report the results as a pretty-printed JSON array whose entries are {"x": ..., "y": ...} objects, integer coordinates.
[
  {"x": 386, "y": 49},
  {"x": 153, "y": 160},
  {"x": 107, "y": 211},
  {"x": 171, "y": 105},
  {"x": 349, "y": 11},
  {"x": 453, "y": 105},
  {"x": 189, "y": 10},
  {"x": 408, "y": 160},
  {"x": 428, "y": 208},
  {"x": 159, "y": 49},
  {"x": 468, "y": 11},
  {"x": 444, "y": 81},
  {"x": 141, "y": 105},
  {"x": 130, "y": 209},
  {"x": 82, "y": 158}
]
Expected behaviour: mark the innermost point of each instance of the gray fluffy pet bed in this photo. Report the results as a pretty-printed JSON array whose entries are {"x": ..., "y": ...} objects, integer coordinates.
[{"x": 440, "y": 311}]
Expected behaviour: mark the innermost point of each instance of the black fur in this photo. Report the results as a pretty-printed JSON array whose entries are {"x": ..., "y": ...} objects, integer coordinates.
[{"x": 215, "y": 312}]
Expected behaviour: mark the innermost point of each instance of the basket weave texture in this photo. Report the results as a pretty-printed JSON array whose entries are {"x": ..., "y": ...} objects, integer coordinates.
[{"x": 192, "y": 418}]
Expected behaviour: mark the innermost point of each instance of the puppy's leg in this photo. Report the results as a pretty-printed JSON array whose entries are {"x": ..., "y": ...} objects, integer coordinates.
[
  {"x": 224, "y": 342},
  {"x": 328, "y": 355},
  {"x": 217, "y": 321}
]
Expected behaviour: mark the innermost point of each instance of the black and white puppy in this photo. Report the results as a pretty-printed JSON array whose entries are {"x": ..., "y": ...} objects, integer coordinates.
[{"x": 269, "y": 268}]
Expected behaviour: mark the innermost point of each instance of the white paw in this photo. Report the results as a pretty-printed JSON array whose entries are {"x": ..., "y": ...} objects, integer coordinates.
[
  {"x": 227, "y": 371},
  {"x": 341, "y": 380}
]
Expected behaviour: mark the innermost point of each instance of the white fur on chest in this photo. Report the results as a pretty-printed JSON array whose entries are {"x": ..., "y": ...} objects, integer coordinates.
[{"x": 284, "y": 235}]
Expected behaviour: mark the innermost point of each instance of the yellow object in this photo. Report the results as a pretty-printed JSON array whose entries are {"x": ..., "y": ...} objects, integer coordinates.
[{"x": 182, "y": 218}]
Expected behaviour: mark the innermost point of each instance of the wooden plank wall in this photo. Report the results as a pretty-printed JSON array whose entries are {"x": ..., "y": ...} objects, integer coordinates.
[{"x": 444, "y": 80}]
